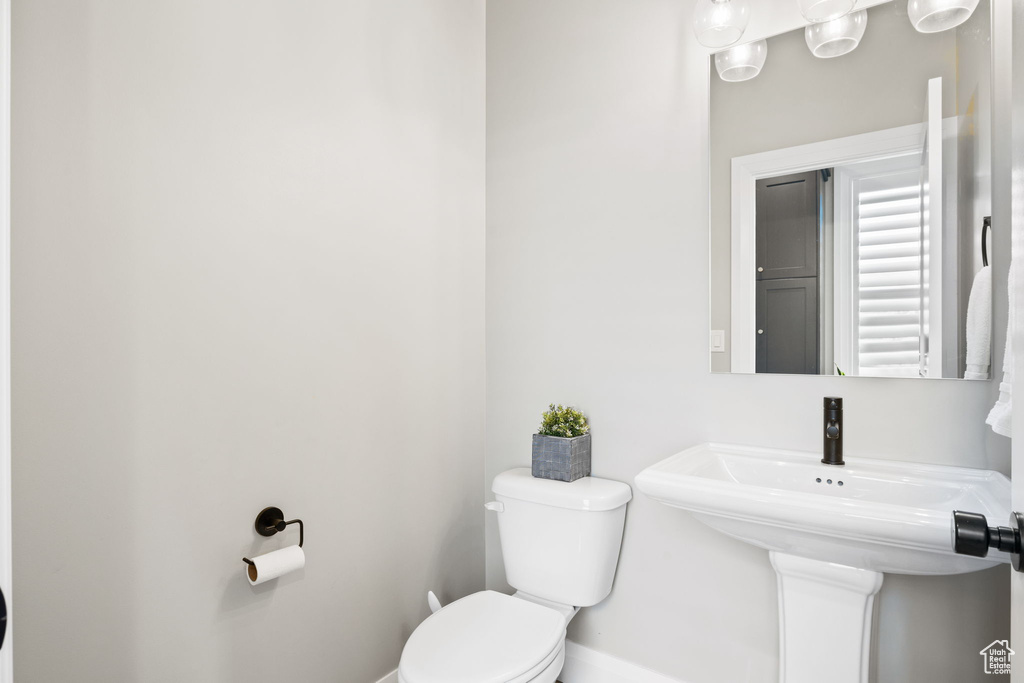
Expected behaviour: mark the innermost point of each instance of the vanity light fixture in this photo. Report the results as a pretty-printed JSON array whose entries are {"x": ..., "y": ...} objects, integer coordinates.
[
  {"x": 817, "y": 11},
  {"x": 743, "y": 62},
  {"x": 836, "y": 37},
  {"x": 720, "y": 23},
  {"x": 932, "y": 16}
]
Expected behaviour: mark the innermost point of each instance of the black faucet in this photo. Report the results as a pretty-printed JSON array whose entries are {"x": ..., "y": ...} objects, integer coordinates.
[{"x": 833, "y": 452}]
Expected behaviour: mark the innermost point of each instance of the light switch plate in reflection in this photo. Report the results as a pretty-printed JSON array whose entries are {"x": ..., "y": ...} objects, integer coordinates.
[{"x": 717, "y": 341}]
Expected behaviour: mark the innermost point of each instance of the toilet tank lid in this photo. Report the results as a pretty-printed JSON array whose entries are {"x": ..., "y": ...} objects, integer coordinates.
[{"x": 588, "y": 493}]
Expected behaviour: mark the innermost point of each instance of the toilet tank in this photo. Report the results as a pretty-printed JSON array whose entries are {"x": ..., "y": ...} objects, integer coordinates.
[{"x": 560, "y": 541}]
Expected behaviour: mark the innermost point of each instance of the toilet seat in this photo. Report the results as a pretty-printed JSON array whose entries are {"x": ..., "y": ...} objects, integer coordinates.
[{"x": 486, "y": 637}]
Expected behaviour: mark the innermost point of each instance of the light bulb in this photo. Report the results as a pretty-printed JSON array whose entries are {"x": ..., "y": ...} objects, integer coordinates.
[
  {"x": 836, "y": 37},
  {"x": 932, "y": 16},
  {"x": 720, "y": 23},
  {"x": 743, "y": 62}
]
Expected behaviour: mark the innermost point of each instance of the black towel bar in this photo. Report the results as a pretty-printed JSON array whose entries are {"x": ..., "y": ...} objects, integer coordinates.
[{"x": 986, "y": 225}]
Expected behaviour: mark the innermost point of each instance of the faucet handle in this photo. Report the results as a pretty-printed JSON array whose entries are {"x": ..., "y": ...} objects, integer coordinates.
[{"x": 832, "y": 428}]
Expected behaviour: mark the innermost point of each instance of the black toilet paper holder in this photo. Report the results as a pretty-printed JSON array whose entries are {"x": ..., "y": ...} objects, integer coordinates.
[{"x": 270, "y": 521}]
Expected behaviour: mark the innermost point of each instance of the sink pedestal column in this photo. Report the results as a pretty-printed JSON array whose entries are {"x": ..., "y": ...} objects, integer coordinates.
[{"x": 824, "y": 620}]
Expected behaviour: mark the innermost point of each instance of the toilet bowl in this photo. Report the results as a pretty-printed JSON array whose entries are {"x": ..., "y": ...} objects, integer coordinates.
[
  {"x": 486, "y": 637},
  {"x": 560, "y": 546}
]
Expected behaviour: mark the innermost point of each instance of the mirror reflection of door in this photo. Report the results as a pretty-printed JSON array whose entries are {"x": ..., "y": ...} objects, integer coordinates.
[
  {"x": 864, "y": 316},
  {"x": 789, "y": 272}
]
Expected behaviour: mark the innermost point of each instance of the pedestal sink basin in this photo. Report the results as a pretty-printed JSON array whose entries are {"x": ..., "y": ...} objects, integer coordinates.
[{"x": 830, "y": 533}]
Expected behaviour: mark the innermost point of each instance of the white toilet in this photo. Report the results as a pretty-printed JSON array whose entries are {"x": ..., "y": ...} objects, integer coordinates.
[{"x": 560, "y": 542}]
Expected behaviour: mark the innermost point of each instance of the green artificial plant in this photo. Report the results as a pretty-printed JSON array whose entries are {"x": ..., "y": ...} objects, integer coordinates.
[{"x": 562, "y": 421}]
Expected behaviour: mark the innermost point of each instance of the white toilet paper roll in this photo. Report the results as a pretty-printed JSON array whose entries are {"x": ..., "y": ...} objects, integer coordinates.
[{"x": 272, "y": 565}]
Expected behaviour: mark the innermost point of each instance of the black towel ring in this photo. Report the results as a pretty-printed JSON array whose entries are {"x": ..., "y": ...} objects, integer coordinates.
[{"x": 986, "y": 225}]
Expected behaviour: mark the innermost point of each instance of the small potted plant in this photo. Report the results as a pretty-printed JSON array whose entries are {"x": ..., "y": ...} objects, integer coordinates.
[{"x": 561, "y": 447}]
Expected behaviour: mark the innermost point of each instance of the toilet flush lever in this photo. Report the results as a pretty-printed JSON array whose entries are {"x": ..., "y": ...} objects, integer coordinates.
[{"x": 495, "y": 506}]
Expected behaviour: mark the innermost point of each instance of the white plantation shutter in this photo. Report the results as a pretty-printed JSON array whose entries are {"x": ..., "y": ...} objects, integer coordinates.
[{"x": 887, "y": 291}]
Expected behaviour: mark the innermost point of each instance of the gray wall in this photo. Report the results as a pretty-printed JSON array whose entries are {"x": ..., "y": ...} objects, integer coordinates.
[
  {"x": 248, "y": 269},
  {"x": 798, "y": 99},
  {"x": 597, "y": 295}
]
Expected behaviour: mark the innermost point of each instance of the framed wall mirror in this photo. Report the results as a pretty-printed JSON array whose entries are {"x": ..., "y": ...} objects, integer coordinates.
[{"x": 851, "y": 201}]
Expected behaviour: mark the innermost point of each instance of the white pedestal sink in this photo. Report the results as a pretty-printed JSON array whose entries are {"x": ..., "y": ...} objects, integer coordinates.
[{"x": 831, "y": 532}]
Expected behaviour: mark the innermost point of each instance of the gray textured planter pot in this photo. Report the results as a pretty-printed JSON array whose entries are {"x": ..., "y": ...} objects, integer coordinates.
[{"x": 555, "y": 457}]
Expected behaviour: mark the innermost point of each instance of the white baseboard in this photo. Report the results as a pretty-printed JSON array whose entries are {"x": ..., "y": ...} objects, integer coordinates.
[
  {"x": 583, "y": 665},
  {"x": 390, "y": 678}
]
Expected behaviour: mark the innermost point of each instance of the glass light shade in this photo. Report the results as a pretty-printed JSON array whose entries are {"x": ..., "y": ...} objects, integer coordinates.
[
  {"x": 932, "y": 16},
  {"x": 817, "y": 11},
  {"x": 743, "y": 62},
  {"x": 720, "y": 23},
  {"x": 836, "y": 37}
]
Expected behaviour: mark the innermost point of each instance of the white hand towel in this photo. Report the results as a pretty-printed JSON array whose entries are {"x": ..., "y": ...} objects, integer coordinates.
[
  {"x": 1000, "y": 415},
  {"x": 979, "y": 326}
]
